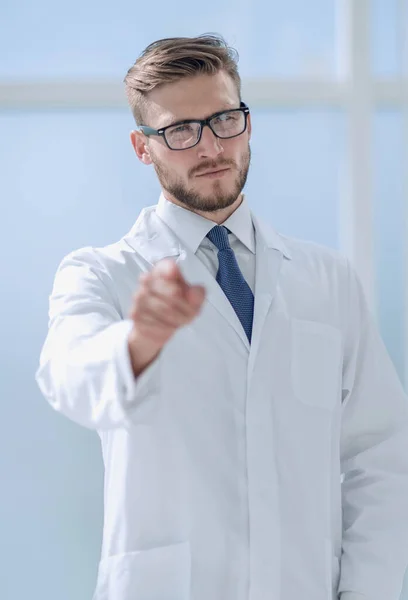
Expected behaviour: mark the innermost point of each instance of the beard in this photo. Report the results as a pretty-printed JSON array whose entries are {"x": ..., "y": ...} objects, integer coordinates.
[{"x": 196, "y": 201}]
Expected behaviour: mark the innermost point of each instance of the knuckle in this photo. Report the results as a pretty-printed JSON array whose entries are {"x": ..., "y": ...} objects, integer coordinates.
[{"x": 174, "y": 305}]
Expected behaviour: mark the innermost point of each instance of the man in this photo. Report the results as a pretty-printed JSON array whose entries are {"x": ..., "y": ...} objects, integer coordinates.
[{"x": 254, "y": 432}]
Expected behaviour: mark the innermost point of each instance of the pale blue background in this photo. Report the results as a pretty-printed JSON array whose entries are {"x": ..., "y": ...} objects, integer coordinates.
[
  {"x": 390, "y": 230},
  {"x": 70, "y": 179}
]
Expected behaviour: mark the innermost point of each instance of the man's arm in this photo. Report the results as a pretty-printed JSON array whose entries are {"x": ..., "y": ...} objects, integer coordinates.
[
  {"x": 374, "y": 461},
  {"x": 85, "y": 370}
]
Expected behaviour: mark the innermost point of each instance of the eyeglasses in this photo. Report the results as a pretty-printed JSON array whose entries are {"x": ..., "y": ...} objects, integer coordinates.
[{"x": 186, "y": 134}]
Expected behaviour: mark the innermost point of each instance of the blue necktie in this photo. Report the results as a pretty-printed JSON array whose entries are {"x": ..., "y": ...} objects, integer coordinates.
[{"x": 231, "y": 280}]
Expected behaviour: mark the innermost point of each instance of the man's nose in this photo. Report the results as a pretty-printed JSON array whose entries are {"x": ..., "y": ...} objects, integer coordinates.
[{"x": 209, "y": 146}]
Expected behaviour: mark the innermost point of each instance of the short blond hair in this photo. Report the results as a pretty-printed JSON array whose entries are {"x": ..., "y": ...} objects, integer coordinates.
[{"x": 171, "y": 59}]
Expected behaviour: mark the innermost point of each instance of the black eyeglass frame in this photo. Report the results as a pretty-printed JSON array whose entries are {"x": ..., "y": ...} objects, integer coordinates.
[{"x": 202, "y": 122}]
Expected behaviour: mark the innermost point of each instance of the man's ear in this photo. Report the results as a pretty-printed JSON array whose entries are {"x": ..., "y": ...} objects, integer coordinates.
[
  {"x": 249, "y": 126},
  {"x": 140, "y": 146}
]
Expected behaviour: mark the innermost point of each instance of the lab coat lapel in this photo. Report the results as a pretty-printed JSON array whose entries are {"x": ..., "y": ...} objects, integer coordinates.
[
  {"x": 154, "y": 241},
  {"x": 270, "y": 255}
]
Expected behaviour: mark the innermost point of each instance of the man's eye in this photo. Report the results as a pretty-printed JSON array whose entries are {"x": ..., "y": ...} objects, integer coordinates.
[
  {"x": 181, "y": 129},
  {"x": 225, "y": 117}
]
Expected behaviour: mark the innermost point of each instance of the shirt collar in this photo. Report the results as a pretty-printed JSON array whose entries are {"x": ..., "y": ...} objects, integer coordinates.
[{"x": 192, "y": 228}]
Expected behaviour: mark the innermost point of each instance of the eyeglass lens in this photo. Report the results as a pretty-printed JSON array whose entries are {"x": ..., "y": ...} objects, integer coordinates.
[{"x": 225, "y": 125}]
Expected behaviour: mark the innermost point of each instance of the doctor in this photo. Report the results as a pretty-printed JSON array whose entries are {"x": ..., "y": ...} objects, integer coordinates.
[{"x": 254, "y": 432}]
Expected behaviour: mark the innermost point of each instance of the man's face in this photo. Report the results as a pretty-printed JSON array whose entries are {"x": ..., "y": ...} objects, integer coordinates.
[{"x": 181, "y": 172}]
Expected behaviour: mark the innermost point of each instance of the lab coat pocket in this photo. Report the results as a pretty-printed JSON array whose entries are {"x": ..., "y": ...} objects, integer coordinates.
[
  {"x": 316, "y": 363},
  {"x": 154, "y": 574}
]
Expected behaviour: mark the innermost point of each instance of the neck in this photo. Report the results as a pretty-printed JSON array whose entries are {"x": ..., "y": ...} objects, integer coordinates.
[{"x": 218, "y": 216}]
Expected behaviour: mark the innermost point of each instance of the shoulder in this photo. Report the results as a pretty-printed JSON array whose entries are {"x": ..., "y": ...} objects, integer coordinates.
[
  {"x": 117, "y": 254},
  {"x": 314, "y": 257}
]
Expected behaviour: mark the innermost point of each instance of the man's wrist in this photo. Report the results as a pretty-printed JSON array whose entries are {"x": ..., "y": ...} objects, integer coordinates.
[{"x": 141, "y": 352}]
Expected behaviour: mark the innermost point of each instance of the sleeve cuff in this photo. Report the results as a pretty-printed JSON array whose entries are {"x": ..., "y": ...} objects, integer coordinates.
[{"x": 143, "y": 390}]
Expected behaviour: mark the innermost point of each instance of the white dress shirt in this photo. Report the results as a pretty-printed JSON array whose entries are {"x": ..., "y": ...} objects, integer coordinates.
[{"x": 192, "y": 229}]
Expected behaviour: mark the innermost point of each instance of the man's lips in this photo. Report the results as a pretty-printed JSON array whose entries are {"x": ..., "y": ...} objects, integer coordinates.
[{"x": 213, "y": 171}]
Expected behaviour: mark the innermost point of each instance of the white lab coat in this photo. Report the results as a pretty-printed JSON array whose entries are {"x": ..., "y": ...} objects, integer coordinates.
[{"x": 223, "y": 461}]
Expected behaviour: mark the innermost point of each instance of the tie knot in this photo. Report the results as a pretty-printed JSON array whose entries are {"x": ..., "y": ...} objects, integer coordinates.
[{"x": 218, "y": 235}]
